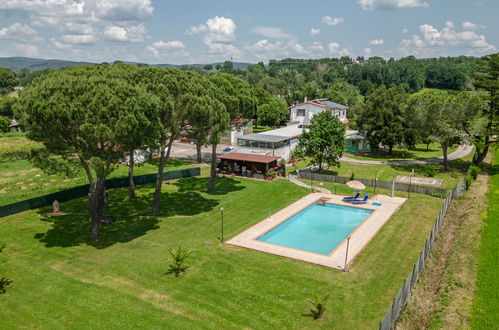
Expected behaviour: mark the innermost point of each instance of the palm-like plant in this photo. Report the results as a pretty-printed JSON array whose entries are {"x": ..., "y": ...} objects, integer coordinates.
[
  {"x": 177, "y": 259},
  {"x": 319, "y": 306}
]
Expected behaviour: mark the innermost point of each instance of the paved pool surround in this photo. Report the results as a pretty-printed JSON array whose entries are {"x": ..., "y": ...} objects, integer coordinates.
[{"x": 360, "y": 237}]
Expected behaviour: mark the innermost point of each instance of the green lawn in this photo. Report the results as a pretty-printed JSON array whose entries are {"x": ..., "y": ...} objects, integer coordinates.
[
  {"x": 486, "y": 302},
  {"x": 418, "y": 153},
  {"x": 19, "y": 180},
  {"x": 456, "y": 173},
  {"x": 63, "y": 280}
]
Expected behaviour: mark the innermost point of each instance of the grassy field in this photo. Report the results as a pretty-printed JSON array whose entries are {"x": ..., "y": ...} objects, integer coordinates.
[
  {"x": 456, "y": 173},
  {"x": 486, "y": 302},
  {"x": 20, "y": 180},
  {"x": 63, "y": 280},
  {"x": 418, "y": 153}
]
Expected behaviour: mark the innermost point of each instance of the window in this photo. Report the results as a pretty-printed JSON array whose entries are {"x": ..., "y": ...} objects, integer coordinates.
[{"x": 300, "y": 113}]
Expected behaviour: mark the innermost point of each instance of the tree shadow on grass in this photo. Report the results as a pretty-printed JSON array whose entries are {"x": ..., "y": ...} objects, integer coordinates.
[
  {"x": 222, "y": 185},
  {"x": 457, "y": 167},
  {"x": 131, "y": 218}
]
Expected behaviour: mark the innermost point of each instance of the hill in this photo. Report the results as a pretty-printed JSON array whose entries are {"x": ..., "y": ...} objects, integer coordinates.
[{"x": 34, "y": 64}]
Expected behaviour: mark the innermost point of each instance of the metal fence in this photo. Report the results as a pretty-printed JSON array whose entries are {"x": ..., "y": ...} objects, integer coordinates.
[
  {"x": 404, "y": 293},
  {"x": 398, "y": 186},
  {"x": 81, "y": 191}
]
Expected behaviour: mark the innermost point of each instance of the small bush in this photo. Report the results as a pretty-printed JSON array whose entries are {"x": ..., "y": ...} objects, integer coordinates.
[
  {"x": 352, "y": 176},
  {"x": 177, "y": 260},
  {"x": 438, "y": 195},
  {"x": 319, "y": 306},
  {"x": 430, "y": 170},
  {"x": 474, "y": 171},
  {"x": 469, "y": 180}
]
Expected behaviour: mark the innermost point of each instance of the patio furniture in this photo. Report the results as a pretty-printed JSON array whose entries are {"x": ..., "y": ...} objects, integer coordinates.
[
  {"x": 346, "y": 199},
  {"x": 360, "y": 201}
]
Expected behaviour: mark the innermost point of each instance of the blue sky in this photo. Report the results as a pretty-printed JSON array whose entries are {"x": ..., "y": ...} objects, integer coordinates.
[{"x": 189, "y": 31}]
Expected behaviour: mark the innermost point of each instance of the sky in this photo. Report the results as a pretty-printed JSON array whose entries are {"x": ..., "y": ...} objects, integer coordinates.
[{"x": 204, "y": 31}]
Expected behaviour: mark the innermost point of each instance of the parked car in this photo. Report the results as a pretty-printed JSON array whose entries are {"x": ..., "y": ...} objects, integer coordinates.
[{"x": 227, "y": 150}]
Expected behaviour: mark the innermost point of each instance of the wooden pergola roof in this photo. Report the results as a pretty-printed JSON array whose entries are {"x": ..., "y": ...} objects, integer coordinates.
[{"x": 249, "y": 157}]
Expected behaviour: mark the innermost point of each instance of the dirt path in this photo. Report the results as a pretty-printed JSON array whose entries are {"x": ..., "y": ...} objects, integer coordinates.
[{"x": 443, "y": 295}]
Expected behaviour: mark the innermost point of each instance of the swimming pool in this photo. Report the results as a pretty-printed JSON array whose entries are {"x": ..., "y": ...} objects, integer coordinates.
[{"x": 317, "y": 228}]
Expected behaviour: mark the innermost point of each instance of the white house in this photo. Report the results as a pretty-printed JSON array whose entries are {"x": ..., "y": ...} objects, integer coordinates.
[
  {"x": 282, "y": 141},
  {"x": 302, "y": 113}
]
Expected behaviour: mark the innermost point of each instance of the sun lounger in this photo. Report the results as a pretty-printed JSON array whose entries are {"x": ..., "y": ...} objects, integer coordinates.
[
  {"x": 360, "y": 201},
  {"x": 345, "y": 199}
]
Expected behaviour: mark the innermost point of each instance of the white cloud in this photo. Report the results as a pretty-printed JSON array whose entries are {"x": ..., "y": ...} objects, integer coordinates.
[
  {"x": 219, "y": 34},
  {"x": 271, "y": 32},
  {"x": 264, "y": 49},
  {"x": 82, "y": 39},
  {"x": 126, "y": 34},
  {"x": 17, "y": 31},
  {"x": 404, "y": 30},
  {"x": 26, "y": 49},
  {"x": 314, "y": 32},
  {"x": 471, "y": 26},
  {"x": 433, "y": 42},
  {"x": 328, "y": 20},
  {"x": 121, "y": 10},
  {"x": 336, "y": 50},
  {"x": 216, "y": 29},
  {"x": 165, "y": 48},
  {"x": 391, "y": 4},
  {"x": 376, "y": 42},
  {"x": 367, "y": 52}
]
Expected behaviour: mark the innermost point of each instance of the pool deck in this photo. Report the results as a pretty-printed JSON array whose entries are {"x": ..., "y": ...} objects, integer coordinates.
[{"x": 360, "y": 237}]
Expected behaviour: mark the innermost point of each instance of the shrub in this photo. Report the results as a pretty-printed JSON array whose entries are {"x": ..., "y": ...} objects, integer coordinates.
[
  {"x": 177, "y": 260},
  {"x": 430, "y": 170},
  {"x": 352, "y": 176},
  {"x": 319, "y": 306},
  {"x": 438, "y": 195},
  {"x": 271, "y": 174},
  {"x": 469, "y": 180},
  {"x": 474, "y": 171}
]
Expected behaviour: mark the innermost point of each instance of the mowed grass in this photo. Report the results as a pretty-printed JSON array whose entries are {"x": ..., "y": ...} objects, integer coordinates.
[
  {"x": 62, "y": 280},
  {"x": 418, "y": 153},
  {"x": 20, "y": 180},
  {"x": 455, "y": 174},
  {"x": 486, "y": 303}
]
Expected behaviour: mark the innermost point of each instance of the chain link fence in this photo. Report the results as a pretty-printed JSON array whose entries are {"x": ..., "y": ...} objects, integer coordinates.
[
  {"x": 404, "y": 293},
  {"x": 81, "y": 191},
  {"x": 398, "y": 186}
]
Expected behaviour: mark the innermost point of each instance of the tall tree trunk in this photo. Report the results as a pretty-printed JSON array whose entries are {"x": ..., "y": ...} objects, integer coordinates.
[
  {"x": 199, "y": 159},
  {"x": 446, "y": 161},
  {"x": 480, "y": 155},
  {"x": 159, "y": 181},
  {"x": 390, "y": 149},
  {"x": 211, "y": 184},
  {"x": 97, "y": 199},
  {"x": 163, "y": 158},
  {"x": 131, "y": 184},
  {"x": 427, "y": 147}
]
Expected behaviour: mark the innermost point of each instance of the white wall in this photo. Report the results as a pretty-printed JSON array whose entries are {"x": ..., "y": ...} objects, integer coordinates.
[{"x": 311, "y": 110}]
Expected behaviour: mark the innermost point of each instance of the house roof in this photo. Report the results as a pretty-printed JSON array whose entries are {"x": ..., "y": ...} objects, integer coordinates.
[
  {"x": 323, "y": 103},
  {"x": 263, "y": 137},
  {"x": 249, "y": 157}
]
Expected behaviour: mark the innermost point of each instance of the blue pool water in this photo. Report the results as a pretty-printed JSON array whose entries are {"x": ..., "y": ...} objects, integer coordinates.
[{"x": 317, "y": 228}]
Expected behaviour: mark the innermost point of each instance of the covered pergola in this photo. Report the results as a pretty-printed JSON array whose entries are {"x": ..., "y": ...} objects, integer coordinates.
[{"x": 249, "y": 165}]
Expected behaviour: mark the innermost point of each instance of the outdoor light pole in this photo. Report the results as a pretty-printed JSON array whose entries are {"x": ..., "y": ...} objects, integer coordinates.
[
  {"x": 222, "y": 212},
  {"x": 410, "y": 182},
  {"x": 346, "y": 255},
  {"x": 375, "y": 180},
  {"x": 311, "y": 179}
]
